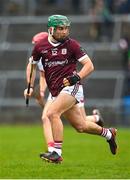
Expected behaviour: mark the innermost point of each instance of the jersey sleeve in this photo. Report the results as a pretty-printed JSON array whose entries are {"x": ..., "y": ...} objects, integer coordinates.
[
  {"x": 35, "y": 56},
  {"x": 79, "y": 52}
]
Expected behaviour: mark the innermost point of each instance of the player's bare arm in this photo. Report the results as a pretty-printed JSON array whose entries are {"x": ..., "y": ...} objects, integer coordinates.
[
  {"x": 84, "y": 72},
  {"x": 86, "y": 69},
  {"x": 28, "y": 72}
]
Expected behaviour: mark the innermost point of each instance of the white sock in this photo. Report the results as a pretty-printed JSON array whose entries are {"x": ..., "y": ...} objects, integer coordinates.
[
  {"x": 96, "y": 118},
  {"x": 50, "y": 145},
  {"x": 59, "y": 151},
  {"x": 58, "y": 147},
  {"x": 106, "y": 133},
  {"x": 51, "y": 149}
]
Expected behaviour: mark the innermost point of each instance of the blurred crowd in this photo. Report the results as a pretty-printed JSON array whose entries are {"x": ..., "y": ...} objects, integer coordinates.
[
  {"x": 106, "y": 7},
  {"x": 42, "y": 7}
]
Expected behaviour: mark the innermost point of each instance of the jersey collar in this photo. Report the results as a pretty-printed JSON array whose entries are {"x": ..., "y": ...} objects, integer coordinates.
[{"x": 53, "y": 44}]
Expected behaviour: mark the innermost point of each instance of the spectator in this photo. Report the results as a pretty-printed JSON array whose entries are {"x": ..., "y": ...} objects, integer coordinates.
[
  {"x": 122, "y": 6},
  {"x": 15, "y": 7},
  {"x": 124, "y": 44},
  {"x": 125, "y": 48},
  {"x": 103, "y": 30}
]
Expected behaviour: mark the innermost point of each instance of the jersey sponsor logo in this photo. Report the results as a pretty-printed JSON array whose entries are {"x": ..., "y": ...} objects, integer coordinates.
[
  {"x": 56, "y": 63},
  {"x": 64, "y": 51}
]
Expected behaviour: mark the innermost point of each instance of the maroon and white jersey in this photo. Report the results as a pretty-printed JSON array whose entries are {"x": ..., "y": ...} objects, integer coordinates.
[{"x": 58, "y": 60}]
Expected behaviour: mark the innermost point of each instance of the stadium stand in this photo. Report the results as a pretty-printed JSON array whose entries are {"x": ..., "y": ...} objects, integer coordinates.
[{"x": 103, "y": 88}]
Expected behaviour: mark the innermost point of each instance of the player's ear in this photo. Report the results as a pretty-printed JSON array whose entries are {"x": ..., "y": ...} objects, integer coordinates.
[{"x": 51, "y": 30}]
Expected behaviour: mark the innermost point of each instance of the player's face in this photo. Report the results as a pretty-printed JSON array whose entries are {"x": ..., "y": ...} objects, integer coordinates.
[{"x": 61, "y": 33}]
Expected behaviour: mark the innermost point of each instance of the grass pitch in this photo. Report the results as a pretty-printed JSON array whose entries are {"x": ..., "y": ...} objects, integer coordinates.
[{"x": 85, "y": 156}]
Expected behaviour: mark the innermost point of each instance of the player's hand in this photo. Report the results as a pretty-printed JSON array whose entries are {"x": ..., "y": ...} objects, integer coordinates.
[
  {"x": 26, "y": 93},
  {"x": 71, "y": 80}
]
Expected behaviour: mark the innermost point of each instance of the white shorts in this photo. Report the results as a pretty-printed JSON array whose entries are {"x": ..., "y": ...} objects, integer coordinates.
[{"x": 75, "y": 91}]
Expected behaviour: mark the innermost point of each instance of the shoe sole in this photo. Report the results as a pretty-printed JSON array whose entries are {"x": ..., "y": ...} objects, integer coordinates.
[{"x": 50, "y": 161}]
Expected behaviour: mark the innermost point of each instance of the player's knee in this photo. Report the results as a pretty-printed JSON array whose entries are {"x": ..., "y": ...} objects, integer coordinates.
[
  {"x": 44, "y": 118},
  {"x": 79, "y": 128},
  {"x": 52, "y": 114}
]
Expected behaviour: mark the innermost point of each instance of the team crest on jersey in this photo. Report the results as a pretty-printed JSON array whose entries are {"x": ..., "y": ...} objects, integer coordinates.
[
  {"x": 54, "y": 52},
  {"x": 64, "y": 51}
]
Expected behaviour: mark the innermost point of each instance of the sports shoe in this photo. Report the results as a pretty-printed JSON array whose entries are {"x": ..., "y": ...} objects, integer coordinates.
[
  {"x": 101, "y": 121},
  {"x": 42, "y": 154},
  {"x": 112, "y": 142},
  {"x": 52, "y": 157}
]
